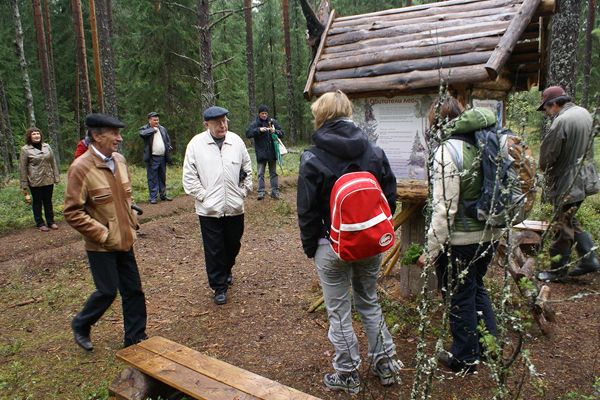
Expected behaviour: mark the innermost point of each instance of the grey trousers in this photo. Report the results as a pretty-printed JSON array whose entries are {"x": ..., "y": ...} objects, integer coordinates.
[
  {"x": 261, "y": 167},
  {"x": 336, "y": 277}
]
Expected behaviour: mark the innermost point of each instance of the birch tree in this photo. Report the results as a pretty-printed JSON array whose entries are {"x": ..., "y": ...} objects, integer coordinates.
[{"x": 23, "y": 63}]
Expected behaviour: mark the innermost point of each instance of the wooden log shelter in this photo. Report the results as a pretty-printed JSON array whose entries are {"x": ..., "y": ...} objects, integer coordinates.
[{"x": 392, "y": 62}]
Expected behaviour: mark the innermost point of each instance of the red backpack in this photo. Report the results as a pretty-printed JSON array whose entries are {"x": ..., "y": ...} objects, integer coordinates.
[{"x": 361, "y": 220}]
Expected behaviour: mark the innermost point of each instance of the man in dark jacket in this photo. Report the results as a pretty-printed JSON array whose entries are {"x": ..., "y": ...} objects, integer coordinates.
[
  {"x": 157, "y": 153},
  {"x": 567, "y": 159},
  {"x": 262, "y": 130},
  {"x": 346, "y": 149}
]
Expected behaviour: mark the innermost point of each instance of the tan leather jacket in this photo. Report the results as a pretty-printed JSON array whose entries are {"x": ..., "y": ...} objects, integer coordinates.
[
  {"x": 37, "y": 167},
  {"x": 98, "y": 203}
]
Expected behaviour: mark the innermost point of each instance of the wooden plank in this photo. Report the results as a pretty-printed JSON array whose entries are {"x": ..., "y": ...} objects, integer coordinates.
[
  {"x": 178, "y": 376},
  {"x": 311, "y": 74},
  {"x": 511, "y": 37},
  {"x": 238, "y": 378},
  {"x": 536, "y": 226}
]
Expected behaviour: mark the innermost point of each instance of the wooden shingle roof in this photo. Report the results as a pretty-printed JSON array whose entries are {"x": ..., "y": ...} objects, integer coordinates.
[{"x": 411, "y": 49}]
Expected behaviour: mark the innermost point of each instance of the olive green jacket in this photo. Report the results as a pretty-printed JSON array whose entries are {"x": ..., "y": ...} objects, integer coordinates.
[
  {"x": 561, "y": 149},
  {"x": 37, "y": 167}
]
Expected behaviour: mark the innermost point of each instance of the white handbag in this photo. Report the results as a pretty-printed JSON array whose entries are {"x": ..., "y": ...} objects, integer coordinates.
[{"x": 282, "y": 149}]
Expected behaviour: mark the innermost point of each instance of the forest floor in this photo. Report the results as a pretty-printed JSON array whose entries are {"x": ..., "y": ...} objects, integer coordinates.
[{"x": 264, "y": 327}]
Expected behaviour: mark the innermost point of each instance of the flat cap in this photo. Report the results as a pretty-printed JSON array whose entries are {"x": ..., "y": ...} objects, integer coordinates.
[
  {"x": 98, "y": 120},
  {"x": 552, "y": 93},
  {"x": 153, "y": 114},
  {"x": 214, "y": 112}
]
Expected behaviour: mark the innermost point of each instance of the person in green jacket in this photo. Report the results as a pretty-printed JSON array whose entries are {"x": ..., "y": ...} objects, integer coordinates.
[
  {"x": 567, "y": 159},
  {"x": 459, "y": 246}
]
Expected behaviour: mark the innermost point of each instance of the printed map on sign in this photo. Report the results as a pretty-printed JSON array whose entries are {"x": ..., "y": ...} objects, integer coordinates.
[{"x": 398, "y": 125}]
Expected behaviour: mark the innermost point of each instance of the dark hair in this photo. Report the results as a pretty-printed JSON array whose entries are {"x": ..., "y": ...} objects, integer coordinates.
[
  {"x": 450, "y": 108},
  {"x": 559, "y": 101},
  {"x": 28, "y": 133}
]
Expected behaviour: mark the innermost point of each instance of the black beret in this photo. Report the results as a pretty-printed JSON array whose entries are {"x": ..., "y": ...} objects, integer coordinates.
[
  {"x": 263, "y": 108},
  {"x": 214, "y": 112},
  {"x": 153, "y": 114},
  {"x": 98, "y": 120}
]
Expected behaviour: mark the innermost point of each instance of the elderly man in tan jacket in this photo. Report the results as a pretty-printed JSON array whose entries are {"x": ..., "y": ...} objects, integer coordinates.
[{"x": 98, "y": 205}]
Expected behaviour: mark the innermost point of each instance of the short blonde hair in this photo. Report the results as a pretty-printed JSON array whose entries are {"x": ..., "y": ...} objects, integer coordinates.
[{"x": 329, "y": 106}]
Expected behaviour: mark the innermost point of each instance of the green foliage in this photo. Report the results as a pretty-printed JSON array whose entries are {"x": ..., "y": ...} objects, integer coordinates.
[{"x": 412, "y": 254}]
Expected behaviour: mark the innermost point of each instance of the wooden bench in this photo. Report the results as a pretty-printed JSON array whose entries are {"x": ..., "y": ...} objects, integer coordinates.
[{"x": 173, "y": 366}]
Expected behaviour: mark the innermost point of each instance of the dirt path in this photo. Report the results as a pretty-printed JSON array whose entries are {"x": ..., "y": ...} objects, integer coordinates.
[{"x": 264, "y": 328}]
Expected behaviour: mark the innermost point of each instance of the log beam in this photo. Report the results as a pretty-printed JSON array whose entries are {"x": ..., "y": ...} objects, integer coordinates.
[
  {"x": 404, "y": 82},
  {"x": 511, "y": 37}
]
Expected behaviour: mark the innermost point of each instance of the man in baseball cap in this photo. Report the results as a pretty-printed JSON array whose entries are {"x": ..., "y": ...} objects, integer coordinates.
[
  {"x": 98, "y": 205},
  {"x": 568, "y": 143}
]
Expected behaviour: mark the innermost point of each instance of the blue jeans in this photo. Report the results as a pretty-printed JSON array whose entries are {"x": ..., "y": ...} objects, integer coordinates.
[
  {"x": 336, "y": 278},
  {"x": 273, "y": 177},
  {"x": 469, "y": 301},
  {"x": 156, "y": 171}
]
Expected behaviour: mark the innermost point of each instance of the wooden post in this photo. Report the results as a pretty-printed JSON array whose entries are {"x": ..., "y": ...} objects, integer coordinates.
[{"x": 412, "y": 231}]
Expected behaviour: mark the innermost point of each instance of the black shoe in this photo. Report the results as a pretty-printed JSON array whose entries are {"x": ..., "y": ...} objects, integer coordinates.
[
  {"x": 260, "y": 197},
  {"x": 275, "y": 196},
  {"x": 229, "y": 280},
  {"x": 589, "y": 261},
  {"x": 558, "y": 269},
  {"x": 220, "y": 298},
  {"x": 128, "y": 343},
  {"x": 166, "y": 198},
  {"x": 447, "y": 360},
  {"x": 83, "y": 341}
]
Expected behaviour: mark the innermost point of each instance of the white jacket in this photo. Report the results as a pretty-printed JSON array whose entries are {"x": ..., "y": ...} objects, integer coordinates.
[{"x": 212, "y": 176}]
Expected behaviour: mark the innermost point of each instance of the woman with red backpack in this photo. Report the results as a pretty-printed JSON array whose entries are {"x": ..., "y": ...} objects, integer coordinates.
[{"x": 341, "y": 147}]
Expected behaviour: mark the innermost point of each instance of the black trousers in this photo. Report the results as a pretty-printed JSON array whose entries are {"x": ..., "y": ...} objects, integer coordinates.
[
  {"x": 469, "y": 302},
  {"x": 42, "y": 196},
  {"x": 112, "y": 271},
  {"x": 221, "y": 238},
  {"x": 156, "y": 172}
]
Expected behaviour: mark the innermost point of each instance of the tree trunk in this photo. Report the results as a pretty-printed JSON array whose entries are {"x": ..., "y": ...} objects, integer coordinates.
[
  {"x": 53, "y": 123},
  {"x": 107, "y": 61},
  {"x": 23, "y": 63},
  {"x": 207, "y": 84},
  {"x": 587, "y": 58},
  {"x": 82, "y": 66},
  {"x": 96, "y": 50},
  {"x": 250, "y": 59},
  {"x": 51, "y": 70},
  {"x": 288, "y": 72},
  {"x": 563, "y": 49},
  {"x": 7, "y": 141}
]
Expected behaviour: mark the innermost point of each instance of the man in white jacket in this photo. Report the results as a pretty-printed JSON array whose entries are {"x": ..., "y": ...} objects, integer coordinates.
[{"x": 217, "y": 172}]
